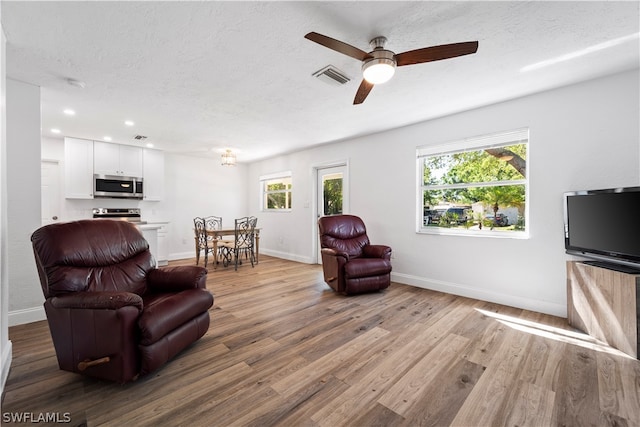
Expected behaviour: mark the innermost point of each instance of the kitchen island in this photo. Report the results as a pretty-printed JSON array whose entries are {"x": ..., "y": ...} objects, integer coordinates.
[{"x": 150, "y": 233}]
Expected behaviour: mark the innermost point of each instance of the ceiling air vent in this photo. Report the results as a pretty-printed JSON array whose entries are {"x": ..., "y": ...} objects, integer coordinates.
[
  {"x": 140, "y": 137},
  {"x": 332, "y": 75}
]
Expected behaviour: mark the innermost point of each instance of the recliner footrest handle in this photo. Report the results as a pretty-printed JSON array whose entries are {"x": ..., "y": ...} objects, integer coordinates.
[{"x": 88, "y": 363}]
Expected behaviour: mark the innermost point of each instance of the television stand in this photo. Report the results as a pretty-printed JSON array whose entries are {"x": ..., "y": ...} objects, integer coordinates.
[
  {"x": 605, "y": 303},
  {"x": 616, "y": 267}
]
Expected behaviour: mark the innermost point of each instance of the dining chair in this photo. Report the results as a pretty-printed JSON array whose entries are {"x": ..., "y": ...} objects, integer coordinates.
[
  {"x": 202, "y": 241},
  {"x": 215, "y": 223},
  {"x": 244, "y": 242}
]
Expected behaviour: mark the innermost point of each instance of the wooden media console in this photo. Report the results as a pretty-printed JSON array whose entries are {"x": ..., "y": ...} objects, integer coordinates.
[{"x": 605, "y": 303}]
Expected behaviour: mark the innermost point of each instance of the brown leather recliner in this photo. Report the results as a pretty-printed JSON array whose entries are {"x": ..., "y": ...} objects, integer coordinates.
[
  {"x": 111, "y": 313},
  {"x": 350, "y": 263}
]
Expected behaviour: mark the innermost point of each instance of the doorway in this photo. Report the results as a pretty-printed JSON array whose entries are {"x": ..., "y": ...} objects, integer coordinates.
[
  {"x": 332, "y": 189},
  {"x": 49, "y": 191}
]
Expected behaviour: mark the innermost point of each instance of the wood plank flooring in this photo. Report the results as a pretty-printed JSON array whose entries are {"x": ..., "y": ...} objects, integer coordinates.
[{"x": 285, "y": 350}]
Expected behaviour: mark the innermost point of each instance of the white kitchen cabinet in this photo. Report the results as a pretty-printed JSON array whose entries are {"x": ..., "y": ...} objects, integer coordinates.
[
  {"x": 156, "y": 234},
  {"x": 153, "y": 174},
  {"x": 131, "y": 160},
  {"x": 78, "y": 168},
  {"x": 150, "y": 233},
  {"x": 117, "y": 159},
  {"x": 163, "y": 250}
]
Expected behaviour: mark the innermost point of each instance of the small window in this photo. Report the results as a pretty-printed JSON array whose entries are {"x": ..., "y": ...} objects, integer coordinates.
[
  {"x": 476, "y": 186},
  {"x": 276, "y": 192}
]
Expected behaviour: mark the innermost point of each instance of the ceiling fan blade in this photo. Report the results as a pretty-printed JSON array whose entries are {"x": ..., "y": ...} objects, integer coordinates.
[
  {"x": 363, "y": 92},
  {"x": 338, "y": 46},
  {"x": 436, "y": 53}
]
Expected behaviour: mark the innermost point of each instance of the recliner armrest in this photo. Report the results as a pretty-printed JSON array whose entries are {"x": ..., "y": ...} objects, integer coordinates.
[
  {"x": 377, "y": 251},
  {"x": 333, "y": 252},
  {"x": 97, "y": 300},
  {"x": 178, "y": 278}
]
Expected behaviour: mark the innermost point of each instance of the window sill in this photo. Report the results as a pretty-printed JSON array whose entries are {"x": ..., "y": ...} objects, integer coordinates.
[{"x": 520, "y": 235}]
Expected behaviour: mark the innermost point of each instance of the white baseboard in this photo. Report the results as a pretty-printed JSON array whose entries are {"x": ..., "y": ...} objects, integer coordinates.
[
  {"x": 27, "y": 315},
  {"x": 546, "y": 307},
  {"x": 269, "y": 252},
  {"x": 181, "y": 255},
  {"x": 7, "y": 355},
  {"x": 287, "y": 256}
]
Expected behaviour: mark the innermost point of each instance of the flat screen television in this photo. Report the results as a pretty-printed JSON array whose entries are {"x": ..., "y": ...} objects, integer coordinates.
[{"x": 604, "y": 225}]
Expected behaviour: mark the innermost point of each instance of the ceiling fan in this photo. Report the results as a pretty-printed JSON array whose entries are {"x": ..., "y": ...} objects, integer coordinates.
[{"x": 379, "y": 65}]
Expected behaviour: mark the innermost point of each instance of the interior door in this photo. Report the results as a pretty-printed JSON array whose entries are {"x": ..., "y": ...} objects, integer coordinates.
[
  {"x": 333, "y": 194},
  {"x": 49, "y": 192}
]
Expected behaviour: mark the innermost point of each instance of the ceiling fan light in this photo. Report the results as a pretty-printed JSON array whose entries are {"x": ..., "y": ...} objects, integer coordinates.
[{"x": 379, "y": 70}]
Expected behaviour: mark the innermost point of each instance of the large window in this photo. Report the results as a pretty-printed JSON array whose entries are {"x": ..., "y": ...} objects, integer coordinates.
[
  {"x": 276, "y": 192},
  {"x": 475, "y": 186}
]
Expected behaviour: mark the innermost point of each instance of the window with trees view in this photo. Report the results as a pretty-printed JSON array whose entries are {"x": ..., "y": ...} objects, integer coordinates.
[
  {"x": 276, "y": 192},
  {"x": 475, "y": 186}
]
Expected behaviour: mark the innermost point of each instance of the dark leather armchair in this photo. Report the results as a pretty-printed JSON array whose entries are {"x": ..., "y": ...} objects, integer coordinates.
[
  {"x": 111, "y": 313},
  {"x": 350, "y": 263}
]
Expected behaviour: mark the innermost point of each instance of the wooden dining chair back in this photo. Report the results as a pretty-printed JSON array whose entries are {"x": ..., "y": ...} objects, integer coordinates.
[{"x": 244, "y": 243}]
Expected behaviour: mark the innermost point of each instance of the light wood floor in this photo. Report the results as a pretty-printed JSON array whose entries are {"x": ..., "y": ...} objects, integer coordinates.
[{"x": 284, "y": 350}]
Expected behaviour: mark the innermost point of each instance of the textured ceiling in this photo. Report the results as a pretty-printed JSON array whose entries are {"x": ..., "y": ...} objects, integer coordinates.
[{"x": 197, "y": 77}]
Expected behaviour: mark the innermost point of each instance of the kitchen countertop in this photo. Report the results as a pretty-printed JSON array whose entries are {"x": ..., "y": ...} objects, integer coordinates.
[{"x": 149, "y": 226}]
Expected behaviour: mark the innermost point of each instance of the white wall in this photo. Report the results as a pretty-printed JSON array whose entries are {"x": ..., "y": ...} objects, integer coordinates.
[
  {"x": 581, "y": 136},
  {"x": 5, "y": 344},
  {"x": 194, "y": 186},
  {"x": 198, "y": 186},
  {"x": 23, "y": 199}
]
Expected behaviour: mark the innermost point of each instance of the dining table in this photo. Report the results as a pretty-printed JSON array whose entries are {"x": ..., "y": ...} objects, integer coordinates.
[{"x": 217, "y": 235}]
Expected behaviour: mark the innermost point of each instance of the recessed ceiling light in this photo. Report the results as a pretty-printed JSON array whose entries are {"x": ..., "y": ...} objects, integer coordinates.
[
  {"x": 149, "y": 145},
  {"x": 129, "y": 123},
  {"x": 107, "y": 138},
  {"x": 54, "y": 130},
  {"x": 69, "y": 112}
]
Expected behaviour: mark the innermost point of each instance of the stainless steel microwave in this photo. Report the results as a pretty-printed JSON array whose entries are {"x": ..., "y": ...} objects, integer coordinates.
[{"x": 117, "y": 187}]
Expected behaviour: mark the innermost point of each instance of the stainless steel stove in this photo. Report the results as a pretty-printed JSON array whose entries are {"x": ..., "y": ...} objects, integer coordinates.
[{"x": 123, "y": 214}]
